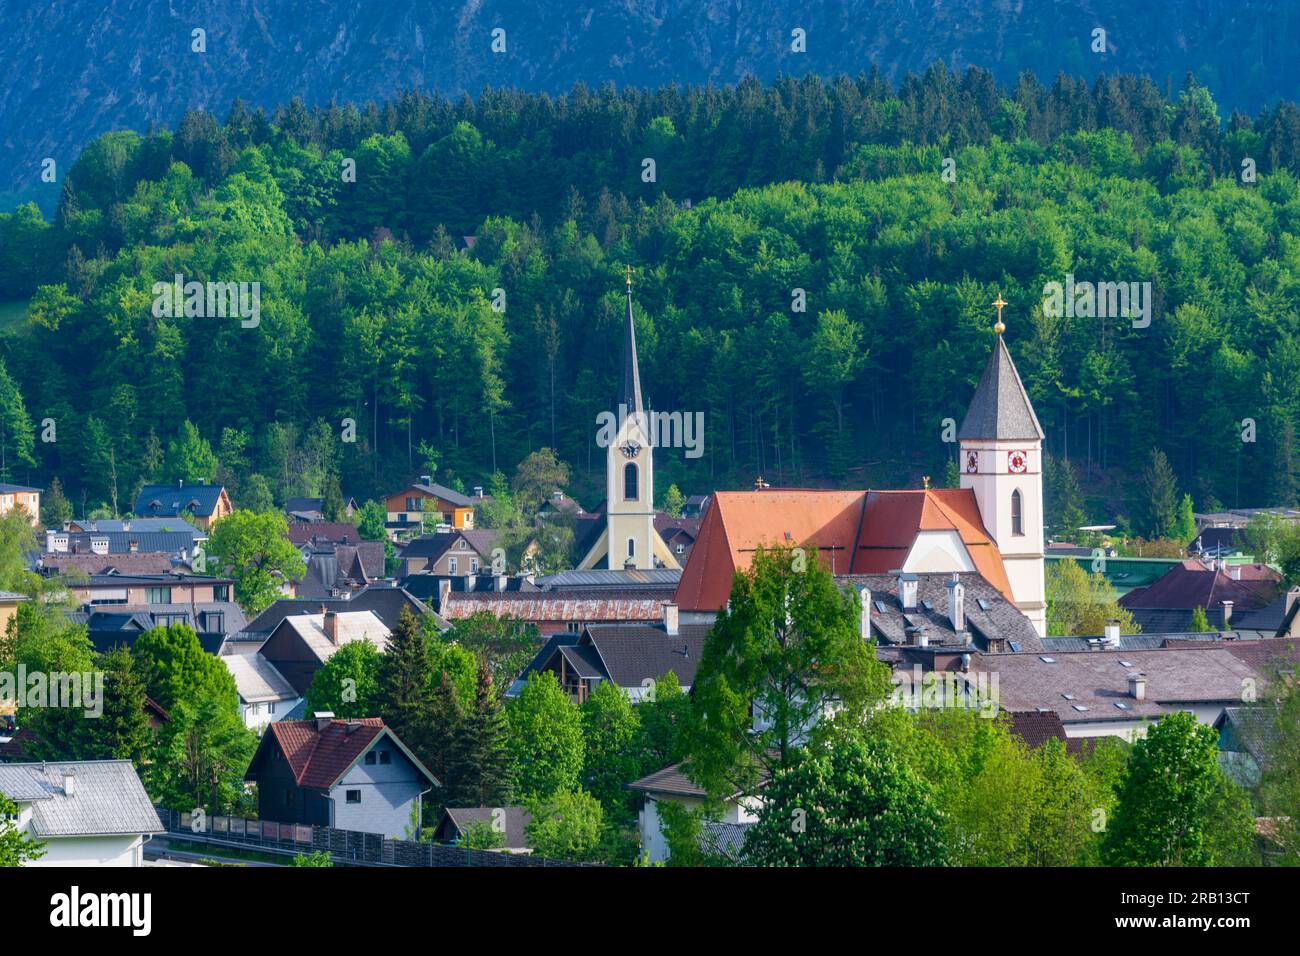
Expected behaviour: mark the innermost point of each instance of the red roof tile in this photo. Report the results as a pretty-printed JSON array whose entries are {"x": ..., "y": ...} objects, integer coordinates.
[
  {"x": 319, "y": 757},
  {"x": 859, "y": 532}
]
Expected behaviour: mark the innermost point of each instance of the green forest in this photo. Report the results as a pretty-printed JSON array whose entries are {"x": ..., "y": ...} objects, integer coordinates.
[{"x": 813, "y": 265}]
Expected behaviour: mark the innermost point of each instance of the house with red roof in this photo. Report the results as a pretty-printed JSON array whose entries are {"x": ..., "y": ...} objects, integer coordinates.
[{"x": 347, "y": 774}]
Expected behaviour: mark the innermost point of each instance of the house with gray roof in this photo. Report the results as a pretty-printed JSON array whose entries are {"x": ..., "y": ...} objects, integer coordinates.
[
  {"x": 85, "y": 812},
  {"x": 630, "y": 655},
  {"x": 264, "y": 695}
]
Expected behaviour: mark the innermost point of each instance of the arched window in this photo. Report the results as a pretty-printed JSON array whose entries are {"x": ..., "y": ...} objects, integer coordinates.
[
  {"x": 631, "y": 547},
  {"x": 1017, "y": 513},
  {"x": 629, "y": 483}
]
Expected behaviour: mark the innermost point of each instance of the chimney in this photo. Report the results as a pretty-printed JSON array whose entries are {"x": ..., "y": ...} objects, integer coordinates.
[
  {"x": 503, "y": 581},
  {"x": 907, "y": 586},
  {"x": 957, "y": 603},
  {"x": 1227, "y": 614},
  {"x": 965, "y": 663},
  {"x": 478, "y": 491},
  {"x": 670, "y": 618},
  {"x": 126, "y": 525},
  {"x": 864, "y": 621},
  {"x": 133, "y": 545},
  {"x": 180, "y": 482},
  {"x": 1111, "y": 634},
  {"x": 331, "y": 626},
  {"x": 444, "y": 592},
  {"x": 1234, "y": 572},
  {"x": 426, "y": 479},
  {"x": 1137, "y": 686},
  {"x": 69, "y": 783},
  {"x": 918, "y": 636},
  {"x": 322, "y": 718}
]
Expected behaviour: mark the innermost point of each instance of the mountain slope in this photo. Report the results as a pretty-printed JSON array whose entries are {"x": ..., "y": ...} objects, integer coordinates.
[{"x": 72, "y": 69}]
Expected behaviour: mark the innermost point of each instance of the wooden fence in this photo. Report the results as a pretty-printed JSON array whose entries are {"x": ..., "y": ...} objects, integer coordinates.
[{"x": 348, "y": 847}]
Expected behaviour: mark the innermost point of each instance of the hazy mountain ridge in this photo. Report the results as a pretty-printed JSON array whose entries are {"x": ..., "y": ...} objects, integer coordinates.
[{"x": 73, "y": 69}]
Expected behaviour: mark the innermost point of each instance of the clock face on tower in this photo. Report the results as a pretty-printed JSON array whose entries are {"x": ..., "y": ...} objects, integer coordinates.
[
  {"x": 630, "y": 449},
  {"x": 972, "y": 462},
  {"x": 1017, "y": 462}
]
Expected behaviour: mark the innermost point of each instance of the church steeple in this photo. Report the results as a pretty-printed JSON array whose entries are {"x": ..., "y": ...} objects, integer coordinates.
[
  {"x": 1002, "y": 465},
  {"x": 631, "y": 393}
]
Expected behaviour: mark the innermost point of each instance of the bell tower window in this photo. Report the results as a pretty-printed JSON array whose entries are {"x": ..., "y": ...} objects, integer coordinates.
[
  {"x": 1017, "y": 513},
  {"x": 629, "y": 483}
]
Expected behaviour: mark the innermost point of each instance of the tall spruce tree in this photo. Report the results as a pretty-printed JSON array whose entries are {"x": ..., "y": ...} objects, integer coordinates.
[
  {"x": 406, "y": 685},
  {"x": 445, "y": 724},
  {"x": 480, "y": 760}
]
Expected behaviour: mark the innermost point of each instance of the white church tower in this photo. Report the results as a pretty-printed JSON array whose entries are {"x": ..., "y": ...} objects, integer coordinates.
[
  {"x": 1002, "y": 463},
  {"x": 630, "y": 540}
]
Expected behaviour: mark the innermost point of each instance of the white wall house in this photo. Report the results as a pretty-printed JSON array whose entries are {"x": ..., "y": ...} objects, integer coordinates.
[
  {"x": 264, "y": 695},
  {"x": 670, "y": 784},
  {"x": 85, "y": 812}
]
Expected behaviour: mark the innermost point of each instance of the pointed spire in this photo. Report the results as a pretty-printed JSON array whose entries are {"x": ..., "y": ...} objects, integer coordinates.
[
  {"x": 631, "y": 393},
  {"x": 1000, "y": 408}
]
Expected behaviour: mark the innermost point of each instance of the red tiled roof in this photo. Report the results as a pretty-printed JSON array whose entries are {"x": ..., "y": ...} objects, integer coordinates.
[
  {"x": 319, "y": 757},
  {"x": 859, "y": 532}
]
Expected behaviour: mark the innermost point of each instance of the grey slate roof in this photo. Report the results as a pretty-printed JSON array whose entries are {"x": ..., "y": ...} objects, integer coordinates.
[
  {"x": 622, "y": 580},
  {"x": 627, "y": 654},
  {"x": 725, "y": 839},
  {"x": 1253, "y": 729},
  {"x": 168, "y": 500},
  {"x": 1136, "y": 642},
  {"x": 385, "y": 602},
  {"x": 1000, "y": 408},
  {"x": 1002, "y": 621},
  {"x": 108, "y": 798},
  {"x": 516, "y": 821}
]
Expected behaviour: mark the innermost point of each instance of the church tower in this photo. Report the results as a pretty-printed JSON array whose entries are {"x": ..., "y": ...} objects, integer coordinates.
[{"x": 1002, "y": 463}]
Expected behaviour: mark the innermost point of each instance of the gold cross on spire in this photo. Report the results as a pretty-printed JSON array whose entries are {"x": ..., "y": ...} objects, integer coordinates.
[
  {"x": 629, "y": 277},
  {"x": 999, "y": 304}
]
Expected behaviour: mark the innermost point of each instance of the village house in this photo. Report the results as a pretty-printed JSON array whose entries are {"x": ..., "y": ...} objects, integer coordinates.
[
  {"x": 207, "y": 503},
  {"x": 384, "y": 601},
  {"x": 21, "y": 496},
  {"x": 147, "y": 590},
  {"x": 426, "y": 503},
  {"x": 115, "y": 625},
  {"x": 301, "y": 643},
  {"x": 448, "y": 553},
  {"x": 264, "y": 695},
  {"x": 312, "y": 510},
  {"x": 672, "y": 785},
  {"x": 346, "y": 774},
  {"x": 1221, "y": 590},
  {"x": 338, "y": 561},
  {"x": 632, "y": 656},
  {"x": 510, "y": 822},
  {"x": 86, "y": 812}
]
